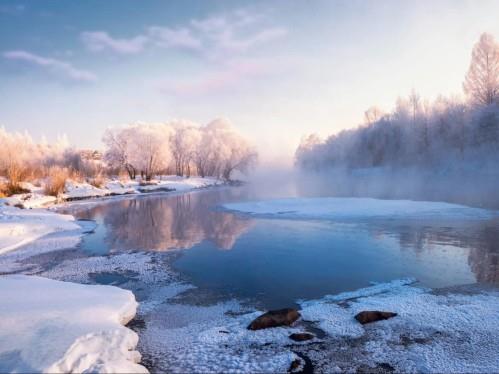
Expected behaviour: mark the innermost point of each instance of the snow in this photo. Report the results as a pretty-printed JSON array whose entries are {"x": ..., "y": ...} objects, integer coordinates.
[
  {"x": 53, "y": 326},
  {"x": 19, "y": 227},
  {"x": 75, "y": 190},
  {"x": 434, "y": 332},
  {"x": 82, "y": 190},
  {"x": 358, "y": 208}
]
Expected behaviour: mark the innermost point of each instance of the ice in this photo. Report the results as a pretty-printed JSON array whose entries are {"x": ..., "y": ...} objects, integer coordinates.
[
  {"x": 19, "y": 227},
  {"x": 358, "y": 208},
  {"x": 53, "y": 326}
]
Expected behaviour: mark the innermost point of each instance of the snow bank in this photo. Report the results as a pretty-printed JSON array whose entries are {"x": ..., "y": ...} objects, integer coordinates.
[
  {"x": 19, "y": 226},
  {"x": 54, "y": 326},
  {"x": 83, "y": 190},
  {"x": 358, "y": 208}
]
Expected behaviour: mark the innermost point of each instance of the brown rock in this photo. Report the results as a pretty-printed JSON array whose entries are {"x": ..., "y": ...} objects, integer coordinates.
[
  {"x": 275, "y": 318},
  {"x": 301, "y": 336},
  {"x": 294, "y": 365},
  {"x": 369, "y": 316}
]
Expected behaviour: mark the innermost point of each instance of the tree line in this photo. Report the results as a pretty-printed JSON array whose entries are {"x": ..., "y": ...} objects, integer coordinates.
[
  {"x": 139, "y": 149},
  {"x": 418, "y": 132}
]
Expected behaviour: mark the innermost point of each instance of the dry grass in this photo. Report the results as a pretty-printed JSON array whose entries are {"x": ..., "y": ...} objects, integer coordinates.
[
  {"x": 9, "y": 189},
  {"x": 56, "y": 180},
  {"x": 98, "y": 181}
]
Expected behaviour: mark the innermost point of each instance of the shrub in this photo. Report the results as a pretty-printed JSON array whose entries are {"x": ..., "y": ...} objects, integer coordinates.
[
  {"x": 56, "y": 180},
  {"x": 98, "y": 181}
]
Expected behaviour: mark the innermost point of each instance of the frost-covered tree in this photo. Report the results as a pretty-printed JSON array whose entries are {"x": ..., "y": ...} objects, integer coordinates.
[
  {"x": 150, "y": 148},
  {"x": 481, "y": 84},
  {"x": 118, "y": 149},
  {"x": 177, "y": 146},
  {"x": 184, "y": 143}
]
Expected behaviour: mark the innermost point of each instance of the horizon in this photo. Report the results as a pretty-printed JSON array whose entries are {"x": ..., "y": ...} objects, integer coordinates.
[{"x": 78, "y": 68}]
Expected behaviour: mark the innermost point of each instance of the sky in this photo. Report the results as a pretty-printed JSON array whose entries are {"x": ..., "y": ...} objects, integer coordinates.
[{"x": 277, "y": 69}]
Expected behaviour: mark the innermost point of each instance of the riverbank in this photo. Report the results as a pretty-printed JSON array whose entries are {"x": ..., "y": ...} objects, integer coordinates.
[
  {"x": 64, "y": 326},
  {"x": 182, "y": 328}
]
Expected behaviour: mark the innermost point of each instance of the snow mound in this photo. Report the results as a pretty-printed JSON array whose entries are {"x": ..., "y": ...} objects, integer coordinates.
[
  {"x": 19, "y": 227},
  {"x": 358, "y": 208},
  {"x": 53, "y": 326},
  {"x": 75, "y": 191}
]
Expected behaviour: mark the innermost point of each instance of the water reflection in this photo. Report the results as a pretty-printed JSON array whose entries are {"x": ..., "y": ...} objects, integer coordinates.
[
  {"x": 480, "y": 240},
  {"x": 161, "y": 223},
  {"x": 278, "y": 261}
]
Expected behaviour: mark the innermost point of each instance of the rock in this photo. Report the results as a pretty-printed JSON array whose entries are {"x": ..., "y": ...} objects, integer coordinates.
[
  {"x": 301, "y": 336},
  {"x": 368, "y": 316},
  {"x": 275, "y": 318},
  {"x": 294, "y": 365}
]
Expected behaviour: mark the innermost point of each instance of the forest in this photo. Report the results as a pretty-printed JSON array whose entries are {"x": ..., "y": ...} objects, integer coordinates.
[{"x": 445, "y": 134}]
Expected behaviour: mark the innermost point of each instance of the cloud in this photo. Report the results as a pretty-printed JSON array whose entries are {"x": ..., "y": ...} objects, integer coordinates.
[
  {"x": 167, "y": 37},
  {"x": 229, "y": 33},
  {"x": 212, "y": 37},
  {"x": 101, "y": 40},
  {"x": 57, "y": 66}
]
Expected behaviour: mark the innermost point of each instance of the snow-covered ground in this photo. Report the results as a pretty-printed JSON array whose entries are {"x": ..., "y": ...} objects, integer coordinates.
[
  {"x": 358, "y": 208},
  {"x": 82, "y": 190},
  {"x": 19, "y": 227},
  {"x": 453, "y": 331},
  {"x": 60, "y": 327}
]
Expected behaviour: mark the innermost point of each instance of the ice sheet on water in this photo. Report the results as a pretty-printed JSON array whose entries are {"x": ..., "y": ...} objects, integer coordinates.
[{"x": 358, "y": 208}]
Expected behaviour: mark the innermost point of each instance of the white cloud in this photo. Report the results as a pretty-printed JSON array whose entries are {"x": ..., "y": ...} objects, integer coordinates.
[
  {"x": 213, "y": 37},
  {"x": 100, "y": 40},
  {"x": 57, "y": 66},
  {"x": 167, "y": 37}
]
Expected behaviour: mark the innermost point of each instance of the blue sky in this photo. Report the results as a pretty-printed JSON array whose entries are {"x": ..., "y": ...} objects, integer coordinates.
[{"x": 276, "y": 69}]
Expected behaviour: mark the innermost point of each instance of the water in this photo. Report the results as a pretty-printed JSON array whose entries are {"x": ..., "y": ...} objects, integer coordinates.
[{"x": 274, "y": 262}]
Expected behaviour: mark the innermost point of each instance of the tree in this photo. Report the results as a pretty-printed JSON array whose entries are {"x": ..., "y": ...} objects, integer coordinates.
[
  {"x": 117, "y": 141},
  {"x": 372, "y": 115},
  {"x": 481, "y": 84},
  {"x": 184, "y": 142}
]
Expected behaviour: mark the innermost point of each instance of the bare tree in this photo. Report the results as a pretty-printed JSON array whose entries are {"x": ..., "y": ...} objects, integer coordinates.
[{"x": 482, "y": 80}]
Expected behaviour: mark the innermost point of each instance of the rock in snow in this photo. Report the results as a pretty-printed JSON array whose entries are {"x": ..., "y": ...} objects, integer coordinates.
[
  {"x": 53, "y": 326},
  {"x": 368, "y": 316},
  {"x": 275, "y": 318}
]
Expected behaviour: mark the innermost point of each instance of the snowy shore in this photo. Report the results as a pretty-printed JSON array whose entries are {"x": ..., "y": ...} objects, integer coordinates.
[
  {"x": 52, "y": 326},
  {"x": 36, "y": 198},
  {"x": 60, "y": 327}
]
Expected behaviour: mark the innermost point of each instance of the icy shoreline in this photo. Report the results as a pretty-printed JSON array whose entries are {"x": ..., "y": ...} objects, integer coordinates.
[{"x": 62, "y": 326}]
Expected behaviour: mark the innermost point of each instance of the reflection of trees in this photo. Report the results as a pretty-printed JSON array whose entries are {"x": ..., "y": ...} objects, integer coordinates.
[
  {"x": 480, "y": 238},
  {"x": 169, "y": 222},
  {"x": 484, "y": 258}
]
